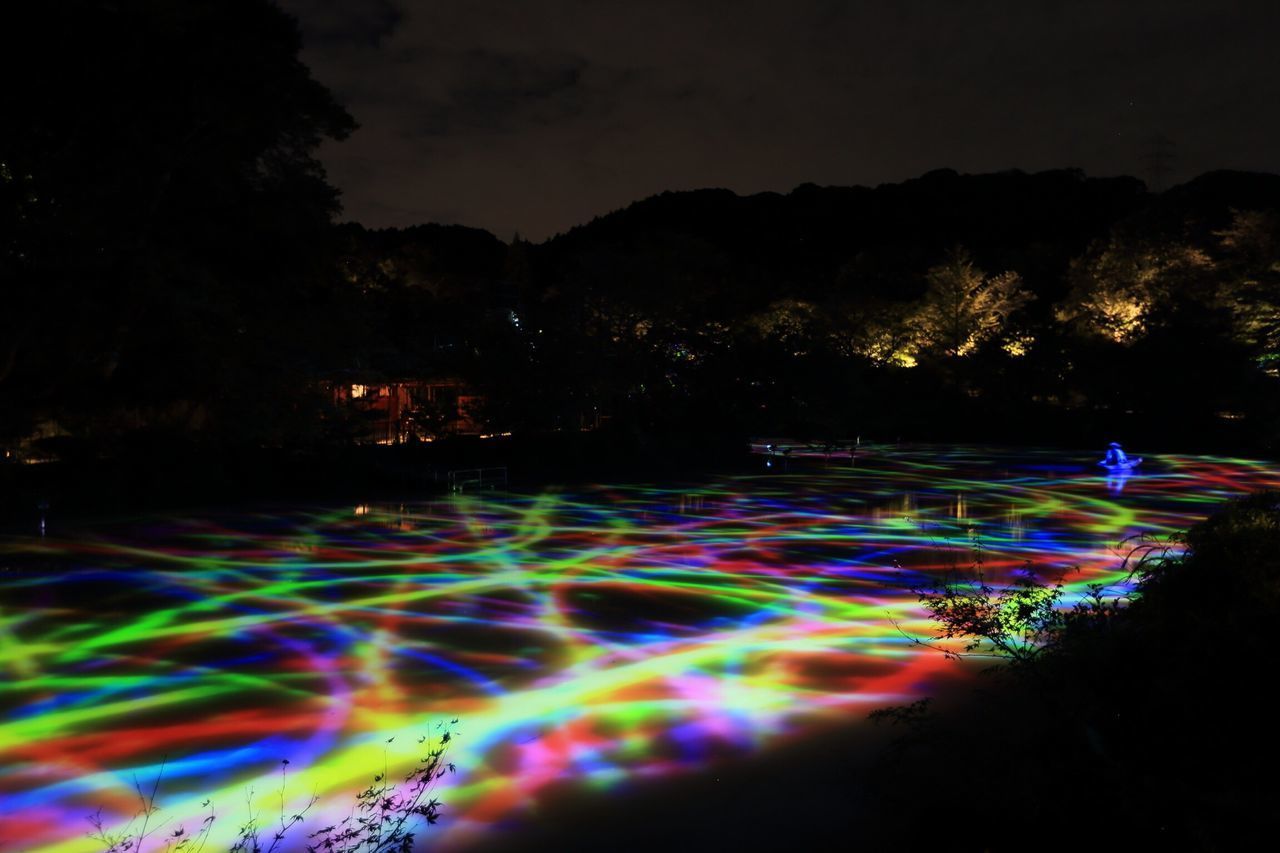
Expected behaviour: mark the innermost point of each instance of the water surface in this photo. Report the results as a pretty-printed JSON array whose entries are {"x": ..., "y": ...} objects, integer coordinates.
[{"x": 586, "y": 639}]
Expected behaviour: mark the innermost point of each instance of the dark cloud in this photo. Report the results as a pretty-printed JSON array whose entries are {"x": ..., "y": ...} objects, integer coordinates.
[
  {"x": 538, "y": 115},
  {"x": 504, "y": 92},
  {"x": 335, "y": 22}
]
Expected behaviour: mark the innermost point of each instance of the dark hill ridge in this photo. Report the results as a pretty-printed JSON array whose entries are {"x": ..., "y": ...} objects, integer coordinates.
[
  {"x": 1223, "y": 189},
  {"x": 433, "y": 251},
  {"x": 940, "y": 207},
  {"x": 994, "y": 215},
  {"x": 986, "y": 212},
  {"x": 807, "y": 241},
  {"x": 711, "y": 249},
  {"x": 712, "y": 252},
  {"x": 817, "y": 239},
  {"x": 1004, "y": 207},
  {"x": 1204, "y": 204}
]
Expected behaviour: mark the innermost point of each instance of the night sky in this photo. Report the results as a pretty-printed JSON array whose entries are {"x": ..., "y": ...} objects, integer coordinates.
[{"x": 536, "y": 116}]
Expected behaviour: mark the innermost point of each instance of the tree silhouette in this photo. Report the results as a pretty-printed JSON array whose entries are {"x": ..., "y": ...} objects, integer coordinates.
[{"x": 167, "y": 215}]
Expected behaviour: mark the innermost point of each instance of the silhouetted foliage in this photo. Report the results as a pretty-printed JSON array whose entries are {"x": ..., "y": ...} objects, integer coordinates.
[
  {"x": 385, "y": 817},
  {"x": 1149, "y": 699},
  {"x": 165, "y": 221}
]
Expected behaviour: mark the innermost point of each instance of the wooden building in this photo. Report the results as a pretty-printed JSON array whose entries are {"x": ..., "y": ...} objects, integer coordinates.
[{"x": 395, "y": 411}]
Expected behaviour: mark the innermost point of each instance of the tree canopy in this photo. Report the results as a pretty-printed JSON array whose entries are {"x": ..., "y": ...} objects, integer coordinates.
[{"x": 163, "y": 211}]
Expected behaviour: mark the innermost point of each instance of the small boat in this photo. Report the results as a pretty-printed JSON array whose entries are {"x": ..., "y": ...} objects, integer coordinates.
[{"x": 1127, "y": 465}]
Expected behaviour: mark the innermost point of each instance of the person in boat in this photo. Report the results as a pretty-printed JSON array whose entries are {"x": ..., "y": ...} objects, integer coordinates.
[{"x": 1117, "y": 458}]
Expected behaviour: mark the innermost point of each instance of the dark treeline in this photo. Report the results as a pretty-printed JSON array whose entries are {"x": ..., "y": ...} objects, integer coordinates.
[
  {"x": 1010, "y": 307},
  {"x": 173, "y": 275},
  {"x": 163, "y": 226}
]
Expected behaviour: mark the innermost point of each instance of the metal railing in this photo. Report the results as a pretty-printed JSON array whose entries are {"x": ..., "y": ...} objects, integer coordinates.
[{"x": 477, "y": 478}]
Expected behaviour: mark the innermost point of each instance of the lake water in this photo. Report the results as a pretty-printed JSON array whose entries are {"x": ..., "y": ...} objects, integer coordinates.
[{"x": 587, "y": 640}]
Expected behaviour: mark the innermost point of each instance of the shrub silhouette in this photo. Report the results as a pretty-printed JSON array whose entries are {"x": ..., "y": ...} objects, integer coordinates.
[
  {"x": 385, "y": 817},
  {"x": 1141, "y": 713}
]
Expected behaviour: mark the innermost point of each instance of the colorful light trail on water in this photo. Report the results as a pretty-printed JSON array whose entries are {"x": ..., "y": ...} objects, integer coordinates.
[{"x": 586, "y": 638}]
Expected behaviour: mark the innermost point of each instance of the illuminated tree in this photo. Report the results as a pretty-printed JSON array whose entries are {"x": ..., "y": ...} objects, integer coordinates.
[
  {"x": 1115, "y": 288},
  {"x": 880, "y": 332},
  {"x": 787, "y": 322},
  {"x": 964, "y": 307},
  {"x": 1253, "y": 237},
  {"x": 1251, "y": 286}
]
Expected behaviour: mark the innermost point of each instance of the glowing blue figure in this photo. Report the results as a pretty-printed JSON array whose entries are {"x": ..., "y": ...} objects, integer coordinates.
[{"x": 1117, "y": 460}]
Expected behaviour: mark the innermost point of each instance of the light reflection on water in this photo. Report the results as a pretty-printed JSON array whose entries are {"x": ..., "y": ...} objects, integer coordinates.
[{"x": 585, "y": 638}]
